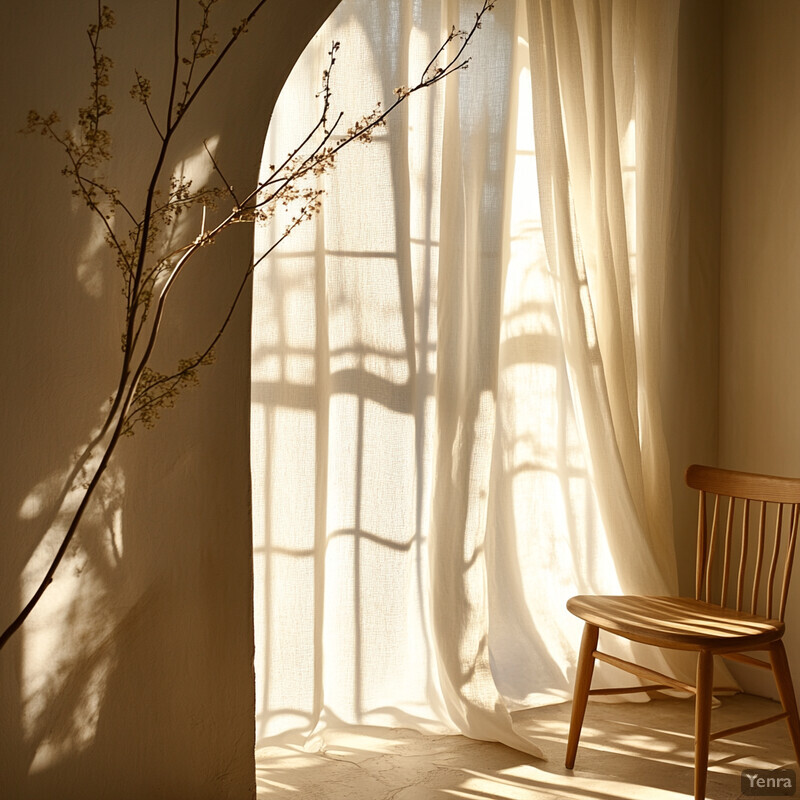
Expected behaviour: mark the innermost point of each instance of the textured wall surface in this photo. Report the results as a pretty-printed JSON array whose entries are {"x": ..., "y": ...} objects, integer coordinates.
[
  {"x": 691, "y": 303},
  {"x": 134, "y": 677},
  {"x": 760, "y": 280}
]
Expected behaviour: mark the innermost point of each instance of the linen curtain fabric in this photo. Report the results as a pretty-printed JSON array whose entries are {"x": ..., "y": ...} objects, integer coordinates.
[
  {"x": 455, "y": 420},
  {"x": 604, "y": 112},
  {"x": 604, "y": 102}
]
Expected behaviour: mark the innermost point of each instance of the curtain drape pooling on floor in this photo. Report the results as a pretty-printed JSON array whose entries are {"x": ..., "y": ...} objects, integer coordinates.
[{"x": 455, "y": 420}]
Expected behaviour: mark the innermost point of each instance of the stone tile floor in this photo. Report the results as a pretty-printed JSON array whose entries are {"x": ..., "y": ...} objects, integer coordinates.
[{"x": 629, "y": 751}]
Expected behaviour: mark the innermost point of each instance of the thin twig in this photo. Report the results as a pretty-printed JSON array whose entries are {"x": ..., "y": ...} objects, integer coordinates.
[
  {"x": 130, "y": 404},
  {"x": 228, "y": 186}
]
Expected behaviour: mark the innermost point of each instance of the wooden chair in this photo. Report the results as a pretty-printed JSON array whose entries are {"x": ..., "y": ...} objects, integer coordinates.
[{"x": 752, "y": 532}]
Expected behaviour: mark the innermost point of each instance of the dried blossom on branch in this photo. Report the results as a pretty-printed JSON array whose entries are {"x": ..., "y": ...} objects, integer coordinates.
[{"x": 141, "y": 236}]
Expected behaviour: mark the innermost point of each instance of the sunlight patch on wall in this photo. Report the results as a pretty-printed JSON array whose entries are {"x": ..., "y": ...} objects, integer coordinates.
[
  {"x": 68, "y": 650},
  {"x": 196, "y": 171},
  {"x": 91, "y": 267}
]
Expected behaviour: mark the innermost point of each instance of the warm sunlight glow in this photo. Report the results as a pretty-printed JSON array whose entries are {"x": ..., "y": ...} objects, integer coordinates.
[
  {"x": 343, "y": 405},
  {"x": 426, "y": 261},
  {"x": 68, "y": 650},
  {"x": 551, "y": 512},
  {"x": 628, "y": 156}
]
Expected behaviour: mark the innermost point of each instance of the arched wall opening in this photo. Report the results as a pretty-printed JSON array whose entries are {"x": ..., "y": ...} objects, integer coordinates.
[{"x": 353, "y": 372}]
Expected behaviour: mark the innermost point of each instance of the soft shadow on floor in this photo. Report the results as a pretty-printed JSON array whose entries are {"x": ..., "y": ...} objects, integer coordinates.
[{"x": 628, "y": 752}]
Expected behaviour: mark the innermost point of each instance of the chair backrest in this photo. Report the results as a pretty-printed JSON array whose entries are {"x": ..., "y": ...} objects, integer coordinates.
[{"x": 746, "y": 536}]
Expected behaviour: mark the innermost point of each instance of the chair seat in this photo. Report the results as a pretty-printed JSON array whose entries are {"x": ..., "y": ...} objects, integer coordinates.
[{"x": 676, "y": 622}]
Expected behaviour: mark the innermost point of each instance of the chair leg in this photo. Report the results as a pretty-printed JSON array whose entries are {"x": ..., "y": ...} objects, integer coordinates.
[
  {"x": 702, "y": 721},
  {"x": 583, "y": 681},
  {"x": 783, "y": 679}
]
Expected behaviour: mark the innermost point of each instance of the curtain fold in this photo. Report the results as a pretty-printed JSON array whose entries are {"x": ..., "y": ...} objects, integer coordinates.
[
  {"x": 455, "y": 420},
  {"x": 471, "y": 272},
  {"x": 604, "y": 100},
  {"x": 595, "y": 119}
]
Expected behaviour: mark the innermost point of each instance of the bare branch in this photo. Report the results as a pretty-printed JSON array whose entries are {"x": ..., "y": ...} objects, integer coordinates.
[
  {"x": 150, "y": 263},
  {"x": 228, "y": 186},
  {"x": 141, "y": 92},
  {"x": 238, "y": 31}
]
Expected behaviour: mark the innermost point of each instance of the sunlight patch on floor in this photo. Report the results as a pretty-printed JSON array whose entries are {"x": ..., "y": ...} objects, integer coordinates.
[{"x": 628, "y": 752}]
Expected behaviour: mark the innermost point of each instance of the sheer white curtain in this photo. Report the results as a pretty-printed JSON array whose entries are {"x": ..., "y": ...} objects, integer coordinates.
[
  {"x": 604, "y": 109},
  {"x": 605, "y": 148},
  {"x": 451, "y": 433}
]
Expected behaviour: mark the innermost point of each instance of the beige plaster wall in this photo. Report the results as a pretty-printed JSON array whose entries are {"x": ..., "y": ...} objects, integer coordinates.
[
  {"x": 134, "y": 678},
  {"x": 690, "y": 344},
  {"x": 760, "y": 283}
]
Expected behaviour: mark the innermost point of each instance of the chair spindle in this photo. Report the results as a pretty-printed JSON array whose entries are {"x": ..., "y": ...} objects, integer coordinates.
[
  {"x": 787, "y": 572},
  {"x": 773, "y": 564},
  {"x": 743, "y": 556},
  {"x": 762, "y": 518},
  {"x": 726, "y": 562},
  {"x": 711, "y": 544},
  {"x": 701, "y": 546}
]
